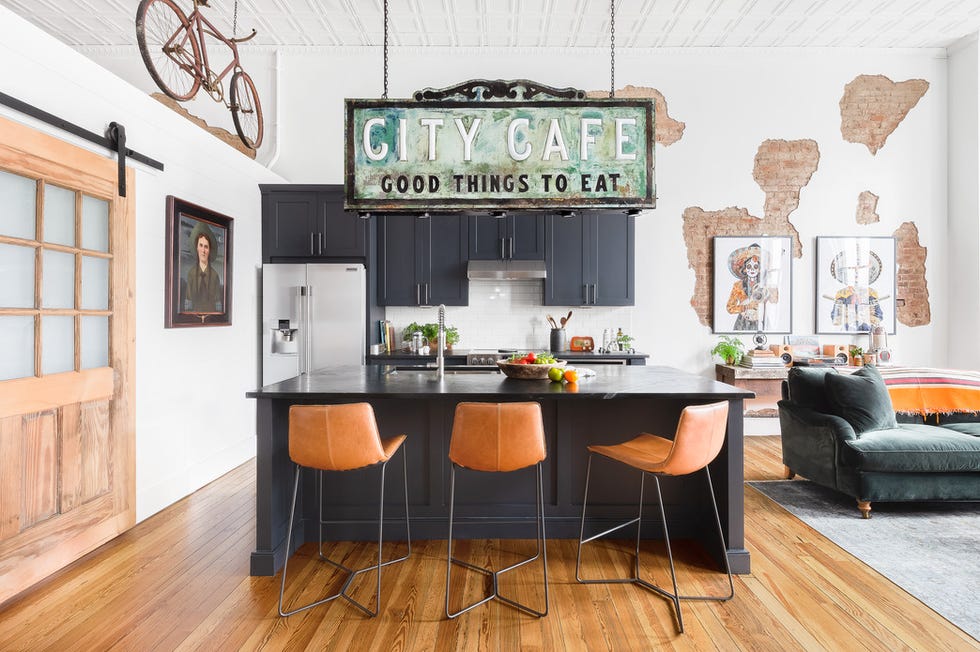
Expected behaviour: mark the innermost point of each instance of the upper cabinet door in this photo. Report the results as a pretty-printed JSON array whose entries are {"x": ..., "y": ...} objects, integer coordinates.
[
  {"x": 566, "y": 262},
  {"x": 397, "y": 282},
  {"x": 289, "y": 225},
  {"x": 517, "y": 236},
  {"x": 525, "y": 234},
  {"x": 447, "y": 245},
  {"x": 612, "y": 254},
  {"x": 344, "y": 233}
]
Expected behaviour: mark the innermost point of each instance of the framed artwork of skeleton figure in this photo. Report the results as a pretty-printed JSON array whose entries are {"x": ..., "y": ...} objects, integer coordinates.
[
  {"x": 855, "y": 284},
  {"x": 752, "y": 285}
]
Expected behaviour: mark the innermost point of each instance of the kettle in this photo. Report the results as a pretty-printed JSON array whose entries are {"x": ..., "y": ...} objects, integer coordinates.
[{"x": 418, "y": 341}]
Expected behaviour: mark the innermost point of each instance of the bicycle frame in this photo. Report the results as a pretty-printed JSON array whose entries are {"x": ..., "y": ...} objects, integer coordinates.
[{"x": 199, "y": 28}]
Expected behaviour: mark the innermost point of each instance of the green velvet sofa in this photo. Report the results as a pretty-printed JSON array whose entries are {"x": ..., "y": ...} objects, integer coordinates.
[{"x": 840, "y": 431}]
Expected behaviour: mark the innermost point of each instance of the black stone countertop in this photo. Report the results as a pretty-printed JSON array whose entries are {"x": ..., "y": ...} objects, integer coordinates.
[
  {"x": 610, "y": 381},
  {"x": 578, "y": 356}
]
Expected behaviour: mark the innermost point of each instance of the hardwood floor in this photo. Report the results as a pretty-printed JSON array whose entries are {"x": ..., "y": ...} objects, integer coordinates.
[{"x": 179, "y": 581}]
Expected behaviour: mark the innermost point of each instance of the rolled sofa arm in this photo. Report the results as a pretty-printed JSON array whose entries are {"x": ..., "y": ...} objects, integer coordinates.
[{"x": 811, "y": 440}]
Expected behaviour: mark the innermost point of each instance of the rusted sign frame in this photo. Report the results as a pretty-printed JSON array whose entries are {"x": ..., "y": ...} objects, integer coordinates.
[{"x": 504, "y": 94}]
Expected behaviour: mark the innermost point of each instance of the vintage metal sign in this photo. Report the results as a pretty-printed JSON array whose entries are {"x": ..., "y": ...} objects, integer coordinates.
[{"x": 499, "y": 145}]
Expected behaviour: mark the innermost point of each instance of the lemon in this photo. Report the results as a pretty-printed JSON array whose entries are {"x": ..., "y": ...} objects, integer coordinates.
[{"x": 555, "y": 373}]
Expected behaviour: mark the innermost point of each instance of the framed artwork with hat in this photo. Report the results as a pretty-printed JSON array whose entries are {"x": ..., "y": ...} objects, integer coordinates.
[
  {"x": 753, "y": 284},
  {"x": 198, "y": 269},
  {"x": 855, "y": 284}
]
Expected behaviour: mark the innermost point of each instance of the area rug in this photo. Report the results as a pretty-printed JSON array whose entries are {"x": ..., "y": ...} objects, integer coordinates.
[{"x": 931, "y": 550}]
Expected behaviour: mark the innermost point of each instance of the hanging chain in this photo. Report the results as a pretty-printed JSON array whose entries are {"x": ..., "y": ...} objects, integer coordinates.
[
  {"x": 612, "y": 48},
  {"x": 385, "y": 93},
  {"x": 234, "y": 22}
]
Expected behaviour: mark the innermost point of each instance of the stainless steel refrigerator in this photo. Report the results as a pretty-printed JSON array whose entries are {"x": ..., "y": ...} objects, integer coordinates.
[{"x": 313, "y": 317}]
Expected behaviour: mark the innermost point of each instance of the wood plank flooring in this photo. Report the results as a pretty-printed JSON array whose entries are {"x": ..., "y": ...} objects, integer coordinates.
[{"x": 179, "y": 581}]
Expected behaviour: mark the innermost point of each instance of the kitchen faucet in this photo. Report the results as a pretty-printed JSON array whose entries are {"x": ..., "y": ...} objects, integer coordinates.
[{"x": 441, "y": 344}]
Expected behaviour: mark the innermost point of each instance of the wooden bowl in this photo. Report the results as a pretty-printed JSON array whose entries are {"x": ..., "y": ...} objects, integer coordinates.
[{"x": 528, "y": 371}]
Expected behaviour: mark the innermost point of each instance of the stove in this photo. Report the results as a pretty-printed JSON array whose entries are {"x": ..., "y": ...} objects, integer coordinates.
[{"x": 488, "y": 356}]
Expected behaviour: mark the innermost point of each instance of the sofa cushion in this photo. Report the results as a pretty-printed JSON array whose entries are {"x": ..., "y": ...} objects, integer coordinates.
[
  {"x": 806, "y": 387},
  {"x": 861, "y": 399},
  {"x": 913, "y": 448},
  {"x": 965, "y": 428}
]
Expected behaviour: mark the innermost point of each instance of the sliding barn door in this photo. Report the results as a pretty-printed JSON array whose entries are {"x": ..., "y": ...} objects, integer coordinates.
[{"x": 67, "y": 481}]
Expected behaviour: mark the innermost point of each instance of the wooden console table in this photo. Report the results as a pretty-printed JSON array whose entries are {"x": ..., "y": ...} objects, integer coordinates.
[{"x": 766, "y": 383}]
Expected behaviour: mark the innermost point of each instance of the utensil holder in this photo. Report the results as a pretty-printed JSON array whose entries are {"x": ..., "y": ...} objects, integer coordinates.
[{"x": 558, "y": 341}]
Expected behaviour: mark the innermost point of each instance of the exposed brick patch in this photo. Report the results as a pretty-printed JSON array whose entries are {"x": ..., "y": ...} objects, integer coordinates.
[
  {"x": 667, "y": 131},
  {"x": 912, "y": 293},
  {"x": 782, "y": 168},
  {"x": 867, "y": 204},
  {"x": 873, "y": 106},
  {"x": 221, "y": 134}
]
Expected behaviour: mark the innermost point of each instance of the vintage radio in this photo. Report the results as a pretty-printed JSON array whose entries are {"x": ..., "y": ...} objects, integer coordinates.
[
  {"x": 785, "y": 352},
  {"x": 836, "y": 351},
  {"x": 884, "y": 356}
]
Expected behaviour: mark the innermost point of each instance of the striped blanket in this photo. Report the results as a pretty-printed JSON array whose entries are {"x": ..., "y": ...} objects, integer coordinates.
[{"x": 923, "y": 390}]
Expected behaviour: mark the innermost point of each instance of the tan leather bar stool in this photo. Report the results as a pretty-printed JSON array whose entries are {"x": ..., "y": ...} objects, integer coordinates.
[
  {"x": 498, "y": 437},
  {"x": 698, "y": 440},
  {"x": 340, "y": 438}
]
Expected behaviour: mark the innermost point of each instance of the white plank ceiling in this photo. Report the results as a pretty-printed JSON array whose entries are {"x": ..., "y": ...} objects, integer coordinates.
[{"x": 540, "y": 23}]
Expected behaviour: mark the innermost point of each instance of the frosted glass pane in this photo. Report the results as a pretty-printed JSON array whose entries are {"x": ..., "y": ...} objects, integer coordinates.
[
  {"x": 58, "y": 280},
  {"x": 95, "y": 224},
  {"x": 57, "y": 344},
  {"x": 95, "y": 342},
  {"x": 17, "y": 272},
  {"x": 59, "y": 216},
  {"x": 19, "y": 206},
  {"x": 17, "y": 335},
  {"x": 95, "y": 283}
]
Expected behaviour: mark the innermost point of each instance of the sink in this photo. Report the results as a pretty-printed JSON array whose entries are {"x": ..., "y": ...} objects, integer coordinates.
[{"x": 450, "y": 369}]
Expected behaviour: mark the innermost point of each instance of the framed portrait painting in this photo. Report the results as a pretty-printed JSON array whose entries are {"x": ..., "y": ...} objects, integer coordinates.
[
  {"x": 753, "y": 285},
  {"x": 855, "y": 284},
  {"x": 198, "y": 269}
]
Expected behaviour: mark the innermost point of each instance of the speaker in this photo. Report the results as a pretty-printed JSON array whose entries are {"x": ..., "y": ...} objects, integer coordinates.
[
  {"x": 785, "y": 352},
  {"x": 884, "y": 356},
  {"x": 837, "y": 351}
]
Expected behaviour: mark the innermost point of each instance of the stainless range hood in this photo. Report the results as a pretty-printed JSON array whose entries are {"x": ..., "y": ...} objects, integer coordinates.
[{"x": 505, "y": 270}]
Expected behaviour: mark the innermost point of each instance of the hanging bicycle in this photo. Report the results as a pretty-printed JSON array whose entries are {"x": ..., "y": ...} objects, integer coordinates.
[{"x": 174, "y": 49}]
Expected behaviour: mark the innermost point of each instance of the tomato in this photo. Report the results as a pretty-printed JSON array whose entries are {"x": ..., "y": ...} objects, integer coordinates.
[{"x": 530, "y": 357}]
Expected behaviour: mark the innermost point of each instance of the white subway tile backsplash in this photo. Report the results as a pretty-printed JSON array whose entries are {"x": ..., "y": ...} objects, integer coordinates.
[{"x": 512, "y": 314}]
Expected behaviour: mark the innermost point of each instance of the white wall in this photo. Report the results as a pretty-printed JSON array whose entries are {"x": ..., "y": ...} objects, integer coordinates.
[
  {"x": 731, "y": 101},
  {"x": 964, "y": 204},
  {"x": 193, "y": 422}
]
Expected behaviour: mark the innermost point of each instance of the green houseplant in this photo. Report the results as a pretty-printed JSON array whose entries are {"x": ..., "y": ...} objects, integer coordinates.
[
  {"x": 729, "y": 348},
  {"x": 857, "y": 356},
  {"x": 430, "y": 332}
]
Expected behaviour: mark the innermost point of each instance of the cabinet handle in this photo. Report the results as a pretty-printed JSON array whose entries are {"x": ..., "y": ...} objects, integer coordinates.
[
  {"x": 418, "y": 294},
  {"x": 595, "y": 293},
  {"x": 319, "y": 241},
  {"x": 586, "y": 288},
  {"x": 312, "y": 243},
  {"x": 510, "y": 246},
  {"x": 428, "y": 300},
  {"x": 502, "y": 255}
]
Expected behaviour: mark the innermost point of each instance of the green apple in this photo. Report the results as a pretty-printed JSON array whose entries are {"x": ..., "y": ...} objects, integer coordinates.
[{"x": 555, "y": 374}]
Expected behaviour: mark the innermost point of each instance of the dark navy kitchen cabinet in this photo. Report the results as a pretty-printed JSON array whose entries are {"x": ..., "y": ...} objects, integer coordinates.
[
  {"x": 422, "y": 260},
  {"x": 589, "y": 257},
  {"x": 516, "y": 236},
  {"x": 309, "y": 221}
]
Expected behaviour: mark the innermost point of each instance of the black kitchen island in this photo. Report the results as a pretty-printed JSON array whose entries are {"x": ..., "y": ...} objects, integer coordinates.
[{"x": 616, "y": 404}]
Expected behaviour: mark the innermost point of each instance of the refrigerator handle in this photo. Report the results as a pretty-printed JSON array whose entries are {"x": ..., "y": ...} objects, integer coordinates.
[{"x": 310, "y": 307}]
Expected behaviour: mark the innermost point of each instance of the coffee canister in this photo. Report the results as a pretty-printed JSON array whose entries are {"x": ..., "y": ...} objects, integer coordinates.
[{"x": 558, "y": 342}]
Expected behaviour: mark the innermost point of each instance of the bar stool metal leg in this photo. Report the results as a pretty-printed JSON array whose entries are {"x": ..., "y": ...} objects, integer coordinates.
[
  {"x": 351, "y": 573},
  {"x": 674, "y": 596},
  {"x": 541, "y": 552}
]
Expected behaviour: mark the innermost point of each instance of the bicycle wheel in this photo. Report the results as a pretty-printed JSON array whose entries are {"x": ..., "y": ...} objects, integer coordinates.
[
  {"x": 246, "y": 110},
  {"x": 168, "y": 47}
]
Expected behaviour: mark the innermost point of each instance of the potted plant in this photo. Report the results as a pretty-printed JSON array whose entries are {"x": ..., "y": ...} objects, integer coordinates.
[
  {"x": 430, "y": 332},
  {"x": 729, "y": 348},
  {"x": 857, "y": 356},
  {"x": 624, "y": 342}
]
